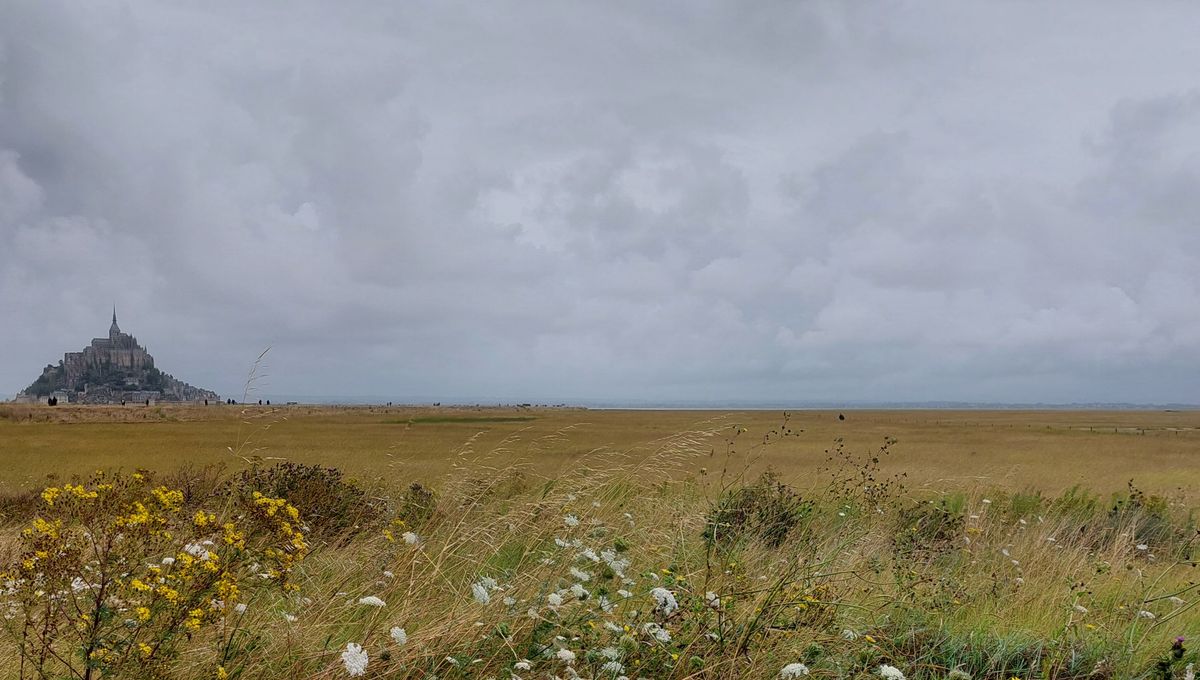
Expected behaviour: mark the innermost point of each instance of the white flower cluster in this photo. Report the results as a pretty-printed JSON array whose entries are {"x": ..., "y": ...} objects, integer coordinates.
[
  {"x": 665, "y": 600},
  {"x": 355, "y": 659},
  {"x": 481, "y": 589}
]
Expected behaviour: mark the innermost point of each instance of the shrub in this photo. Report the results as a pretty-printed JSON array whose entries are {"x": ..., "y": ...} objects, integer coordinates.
[
  {"x": 416, "y": 505},
  {"x": 767, "y": 510},
  {"x": 928, "y": 528},
  {"x": 331, "y": 504},
  {"x": 114, "y": 577},
  {"x": 1151, "y": 522}
]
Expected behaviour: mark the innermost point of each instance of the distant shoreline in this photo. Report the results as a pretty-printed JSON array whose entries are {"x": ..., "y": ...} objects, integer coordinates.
[{"x": 607, "y": 405}]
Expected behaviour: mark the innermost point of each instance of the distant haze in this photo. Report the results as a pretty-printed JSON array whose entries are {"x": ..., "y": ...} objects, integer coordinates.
[{"x": 620, "y": 201}]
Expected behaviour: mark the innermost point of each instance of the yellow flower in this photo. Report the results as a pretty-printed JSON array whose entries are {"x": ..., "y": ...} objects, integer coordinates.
[
  {"x": 221, "y": 674},
  {"x": 143, "y": 613},
  {"x": 870, "y": 639},
  {"x": 168, "y": 498},
  {"x": 50, "y": 494},
  {"x": 168, "y": 592},
  {"x": 145, "y": 649},
  {"x": 42, "y": 526}
]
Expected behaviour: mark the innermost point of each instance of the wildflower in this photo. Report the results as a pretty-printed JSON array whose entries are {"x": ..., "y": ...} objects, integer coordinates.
[
  {"x": 290, "y": 618},
  {"x": 793, "y": 670},
  {"x": 580, "y": 574},
  {"x": 1147, "y": 615},
  {"x": 891, "y": 672},
  {"x": 658, "y": 632},
  {"x": 355, "y": 659},
  {"x": 389, "y": 574},
  {"x": 610, "y": 653},
  {"x": 848, "y": 634},
  {"x": 566, "y": 656},
  {"x": 571, "y": 521},
  {"x": 712, "y": 600},
  {"x": 1176, "y": 600},
  {"x": 1080, "y": 608},
  {"x": 1143, "y": 547},
  {"x": 613, "y": 668},
  {"x": 372, "y": 601},
  {"x": 614, "y": 561},
  {"x": 522, "y": 665},
  {"x": 554, "y": 599},
  {"x": 579, "y": 592},
  {"x": 1189, "y": 673},
  {"x": 958, "y": 674},
  {"x": 168, "y": 561},
  {"x": 509, "y": 600},
  {"x": 50, "y": 494},
  {"x": 624, "y": 593},
  {"x": 410, "y": 538},
  {"x": 480, "y": 593},
  {"x": 399, "y": 636},
  {"x": 240, "y": 608},
  {"x": 665, "y": 599}
]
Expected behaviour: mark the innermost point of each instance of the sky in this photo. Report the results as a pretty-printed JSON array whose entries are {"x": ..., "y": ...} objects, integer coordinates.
[{"x": 623, "y": 201}]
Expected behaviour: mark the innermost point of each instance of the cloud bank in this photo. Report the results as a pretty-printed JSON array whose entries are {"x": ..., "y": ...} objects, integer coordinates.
[{"x": 625, "y": 201}]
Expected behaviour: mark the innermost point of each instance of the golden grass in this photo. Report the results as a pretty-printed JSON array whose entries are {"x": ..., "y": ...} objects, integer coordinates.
[
  {"x": 939, "y": 450},
  {"x": 998, "y": 584}
]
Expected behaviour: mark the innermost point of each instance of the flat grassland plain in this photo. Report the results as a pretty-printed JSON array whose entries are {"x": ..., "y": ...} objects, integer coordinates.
[
  {"x": 1048, "y": 451},
  {"x": 571, "y": 543}
]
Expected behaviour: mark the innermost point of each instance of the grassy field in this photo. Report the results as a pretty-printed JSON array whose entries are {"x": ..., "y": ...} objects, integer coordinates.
[
  {"x": 598, "y": 544},
  {"x": 1045, "y": 450}
]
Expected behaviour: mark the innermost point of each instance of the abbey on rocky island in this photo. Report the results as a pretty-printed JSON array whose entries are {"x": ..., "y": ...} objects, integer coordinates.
[{"x": 110, "y": 370}]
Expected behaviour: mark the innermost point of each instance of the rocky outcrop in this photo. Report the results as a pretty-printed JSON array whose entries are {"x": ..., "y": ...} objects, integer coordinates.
[{"x": 115, "y": 369}]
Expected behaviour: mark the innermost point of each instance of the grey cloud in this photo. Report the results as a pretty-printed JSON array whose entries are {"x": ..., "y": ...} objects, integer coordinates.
[{"x": 963, "y": 200}]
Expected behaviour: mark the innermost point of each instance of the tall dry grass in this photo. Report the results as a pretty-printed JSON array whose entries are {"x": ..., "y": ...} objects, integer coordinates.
[{"x": 980, "y": 582}]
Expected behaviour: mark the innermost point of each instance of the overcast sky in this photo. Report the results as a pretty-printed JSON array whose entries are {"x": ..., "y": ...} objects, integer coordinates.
[{"x": 543, "y": 201}]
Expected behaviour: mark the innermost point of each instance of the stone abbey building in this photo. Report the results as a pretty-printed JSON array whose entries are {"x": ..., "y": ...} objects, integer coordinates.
[{"x": 111, "y": 370}]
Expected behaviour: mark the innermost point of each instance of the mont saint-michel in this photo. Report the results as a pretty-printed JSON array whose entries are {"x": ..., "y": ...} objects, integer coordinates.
[{"x": 110, "y": 370}]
